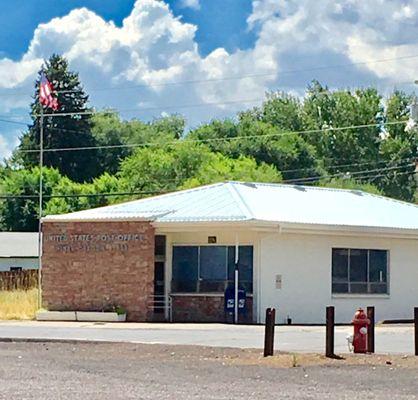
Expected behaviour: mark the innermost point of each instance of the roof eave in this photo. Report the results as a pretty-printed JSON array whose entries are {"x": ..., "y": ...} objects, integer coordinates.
[
  {"x": 220, "y": 224},
  {"x": 110, "y": 219},
  {"x": 324, "y": 229}
]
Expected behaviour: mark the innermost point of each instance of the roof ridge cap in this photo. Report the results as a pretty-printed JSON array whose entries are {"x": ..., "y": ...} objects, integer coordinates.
[
  {"x": 171, "y": 194},
  {"x": 381, "y": 196},
  {"x": 309, "y": 187},
  {"x": 235, "y": 193}
]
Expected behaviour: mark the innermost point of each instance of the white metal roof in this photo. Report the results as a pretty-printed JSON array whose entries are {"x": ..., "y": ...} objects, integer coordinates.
[
  {"x": 18, "y": 244},
  {"x": 237, "y": 201}
]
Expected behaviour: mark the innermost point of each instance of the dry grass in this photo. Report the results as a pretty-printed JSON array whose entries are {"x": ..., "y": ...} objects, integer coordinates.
[
  {"x": 18, "y": 304},
  {"x": 295, "y": 360}
]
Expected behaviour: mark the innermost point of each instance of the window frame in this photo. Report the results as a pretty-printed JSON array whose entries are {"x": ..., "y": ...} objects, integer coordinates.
[
  {"x": 349, "y": 293},
  {"x": 198, "y": 282}
]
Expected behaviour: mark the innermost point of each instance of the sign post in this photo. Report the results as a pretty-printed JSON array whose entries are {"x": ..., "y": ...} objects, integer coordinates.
[{"x": 236, "y": 280}]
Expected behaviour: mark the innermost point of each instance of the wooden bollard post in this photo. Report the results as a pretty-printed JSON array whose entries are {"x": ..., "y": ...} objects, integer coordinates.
[
  {"x": 416, "y": 329},
  {"x": 329, "y": 336},
  {"x": 269, "y": 332},
  {"x": 370, "y": 330}
]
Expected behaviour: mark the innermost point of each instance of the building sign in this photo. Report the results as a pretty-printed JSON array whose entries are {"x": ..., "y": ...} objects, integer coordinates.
[{"x": 94, "y": 242}]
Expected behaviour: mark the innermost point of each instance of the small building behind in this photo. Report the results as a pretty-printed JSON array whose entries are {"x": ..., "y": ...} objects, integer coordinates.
[
  {"x": 18, "y": 251},
  {"x": 298, "y": 249}
]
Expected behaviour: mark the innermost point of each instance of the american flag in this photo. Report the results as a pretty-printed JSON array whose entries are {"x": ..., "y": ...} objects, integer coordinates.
[{"x": 45, "y": 94}]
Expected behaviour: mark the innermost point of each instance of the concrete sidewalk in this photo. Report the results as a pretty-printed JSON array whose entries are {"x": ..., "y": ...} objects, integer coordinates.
[{"x": 394, "y": 339}]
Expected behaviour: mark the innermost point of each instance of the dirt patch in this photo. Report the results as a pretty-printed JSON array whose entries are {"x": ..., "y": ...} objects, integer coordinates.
[
  {"x": 123, "y": 371},
  {"x": 294, "y": 360}
]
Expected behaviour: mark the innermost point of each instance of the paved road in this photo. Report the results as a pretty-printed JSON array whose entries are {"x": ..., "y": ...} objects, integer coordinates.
[
  {"x": 394, "y": 339},
  {"x": 50, "y": 371}
]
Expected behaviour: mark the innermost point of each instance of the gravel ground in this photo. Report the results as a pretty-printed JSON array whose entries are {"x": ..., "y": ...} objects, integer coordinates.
[{"x": 134, "y": 371}]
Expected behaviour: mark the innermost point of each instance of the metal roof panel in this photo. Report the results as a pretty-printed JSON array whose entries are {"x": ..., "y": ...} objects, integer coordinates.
[{"x": 238, "y": 201}]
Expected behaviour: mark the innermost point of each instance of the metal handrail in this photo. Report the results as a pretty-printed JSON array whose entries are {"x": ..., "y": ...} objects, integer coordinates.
[{"x": 161, "y": 302}]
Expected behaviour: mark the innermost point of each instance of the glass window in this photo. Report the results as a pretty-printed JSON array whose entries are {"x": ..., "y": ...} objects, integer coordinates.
[
  {"x": 185, "y": 268},
  {"x": 159, "y": 246},
  {"x": 213, "y": 262},
  {"x": 339, "y": 270},
  {"x": 359, "y": 271},
  {"x": 245, "y": 266},
  {"x": 210, "y": 268},
  {"x": 378, "y": 271}
]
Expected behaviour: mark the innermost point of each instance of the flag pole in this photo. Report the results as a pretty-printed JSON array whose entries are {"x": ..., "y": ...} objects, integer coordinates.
[
  {"x": 41, "y": 164},
  {"x": 236, "y": 283}
]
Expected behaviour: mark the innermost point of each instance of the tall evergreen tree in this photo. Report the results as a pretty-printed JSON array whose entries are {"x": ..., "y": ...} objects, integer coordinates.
[{"x": 61, "y": 131}]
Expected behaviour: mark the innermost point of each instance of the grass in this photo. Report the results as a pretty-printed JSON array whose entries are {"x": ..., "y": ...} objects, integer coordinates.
[
  {"x": 18, "y": 304},
  {"x": 295, "y": 361}
]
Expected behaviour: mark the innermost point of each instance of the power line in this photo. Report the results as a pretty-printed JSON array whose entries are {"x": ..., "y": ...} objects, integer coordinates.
[
  {"x": 210, "y": 140},
  {"x": 370, "y": 178},
  {"x": 239, "y": 77},
  {"x": 347, "y": 165},
  {"x": 9, "y": 121},
  {"x": 34, "y": 196},
  {"x": 130, "y": 110},
  {"x": 351, "y": 174},
  {"x": 180, "y": 180},
  {"x": 163, "y": 107},
  {"x": 314, "y": 179},
  {"x": 231, "y": 78}
]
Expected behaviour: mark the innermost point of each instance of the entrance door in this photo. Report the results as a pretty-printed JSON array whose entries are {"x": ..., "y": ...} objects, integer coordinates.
[
  {"x": 159, "y": 287},
  {"x": 159, "y": 277}
]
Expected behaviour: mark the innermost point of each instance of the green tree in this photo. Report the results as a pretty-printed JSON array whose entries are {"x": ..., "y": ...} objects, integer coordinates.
[
  {"x": 157, "y": 169},
  {"x": 61, "y": 131},
  {"x": 397, "y": 178},
  {"x": 121, "y": 137},
  {"x": 72, "y": 196},
  {"x": 323, "y": 110},
  {"x": 399, "y": 149},
  {"x": 172, "y": 125},
  {"x": 108, "y": 130},
  {"x": 282, "y": 111},
  {"x": 20, "y": 210},
  {"x": 220, "y": 169},
  {"x": 397, "y": 110},
  {"x": 349, "y": 184},
  {"x": 286, "y": 151},
  {"x": 187, "y": 164}
]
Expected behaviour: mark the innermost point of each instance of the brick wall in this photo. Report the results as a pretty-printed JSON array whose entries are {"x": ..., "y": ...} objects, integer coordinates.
[
  {"x": 89, "y": 265},
  {"x": 205, "y": 309}
]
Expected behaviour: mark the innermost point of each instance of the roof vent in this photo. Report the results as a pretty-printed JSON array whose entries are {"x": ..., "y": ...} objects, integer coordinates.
[
  {"x": 357, "y": 192},
  {"x": 300, "y": 188},
  {"x": 250, "y": 184}
]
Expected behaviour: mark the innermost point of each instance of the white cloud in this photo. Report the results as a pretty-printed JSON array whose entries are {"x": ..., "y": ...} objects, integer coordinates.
[
  {"x": 356, "y": 30},
  {"x": 154, "y": 49},
  {"x": 195, "y": 4},
  {"x": 151, "y": 50},
  {"x": 7, "y": 144}
]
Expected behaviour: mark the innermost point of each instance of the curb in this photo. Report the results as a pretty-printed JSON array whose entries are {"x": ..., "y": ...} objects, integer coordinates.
[{"x": 57, "y": 340}]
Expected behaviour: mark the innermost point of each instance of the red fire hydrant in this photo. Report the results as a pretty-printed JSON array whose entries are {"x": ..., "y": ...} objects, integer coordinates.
[{"x": 360, "y": 323}]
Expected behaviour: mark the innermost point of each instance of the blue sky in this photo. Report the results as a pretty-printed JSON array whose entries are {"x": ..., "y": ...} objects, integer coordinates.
[
  {"x": 220, "y": 22},
  {"x": 18, "y": 19},
  {"x": 204, "y": 59}
]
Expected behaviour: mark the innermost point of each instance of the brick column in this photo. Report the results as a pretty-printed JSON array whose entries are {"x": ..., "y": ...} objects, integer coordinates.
[{"x": 88, "y": 266}]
